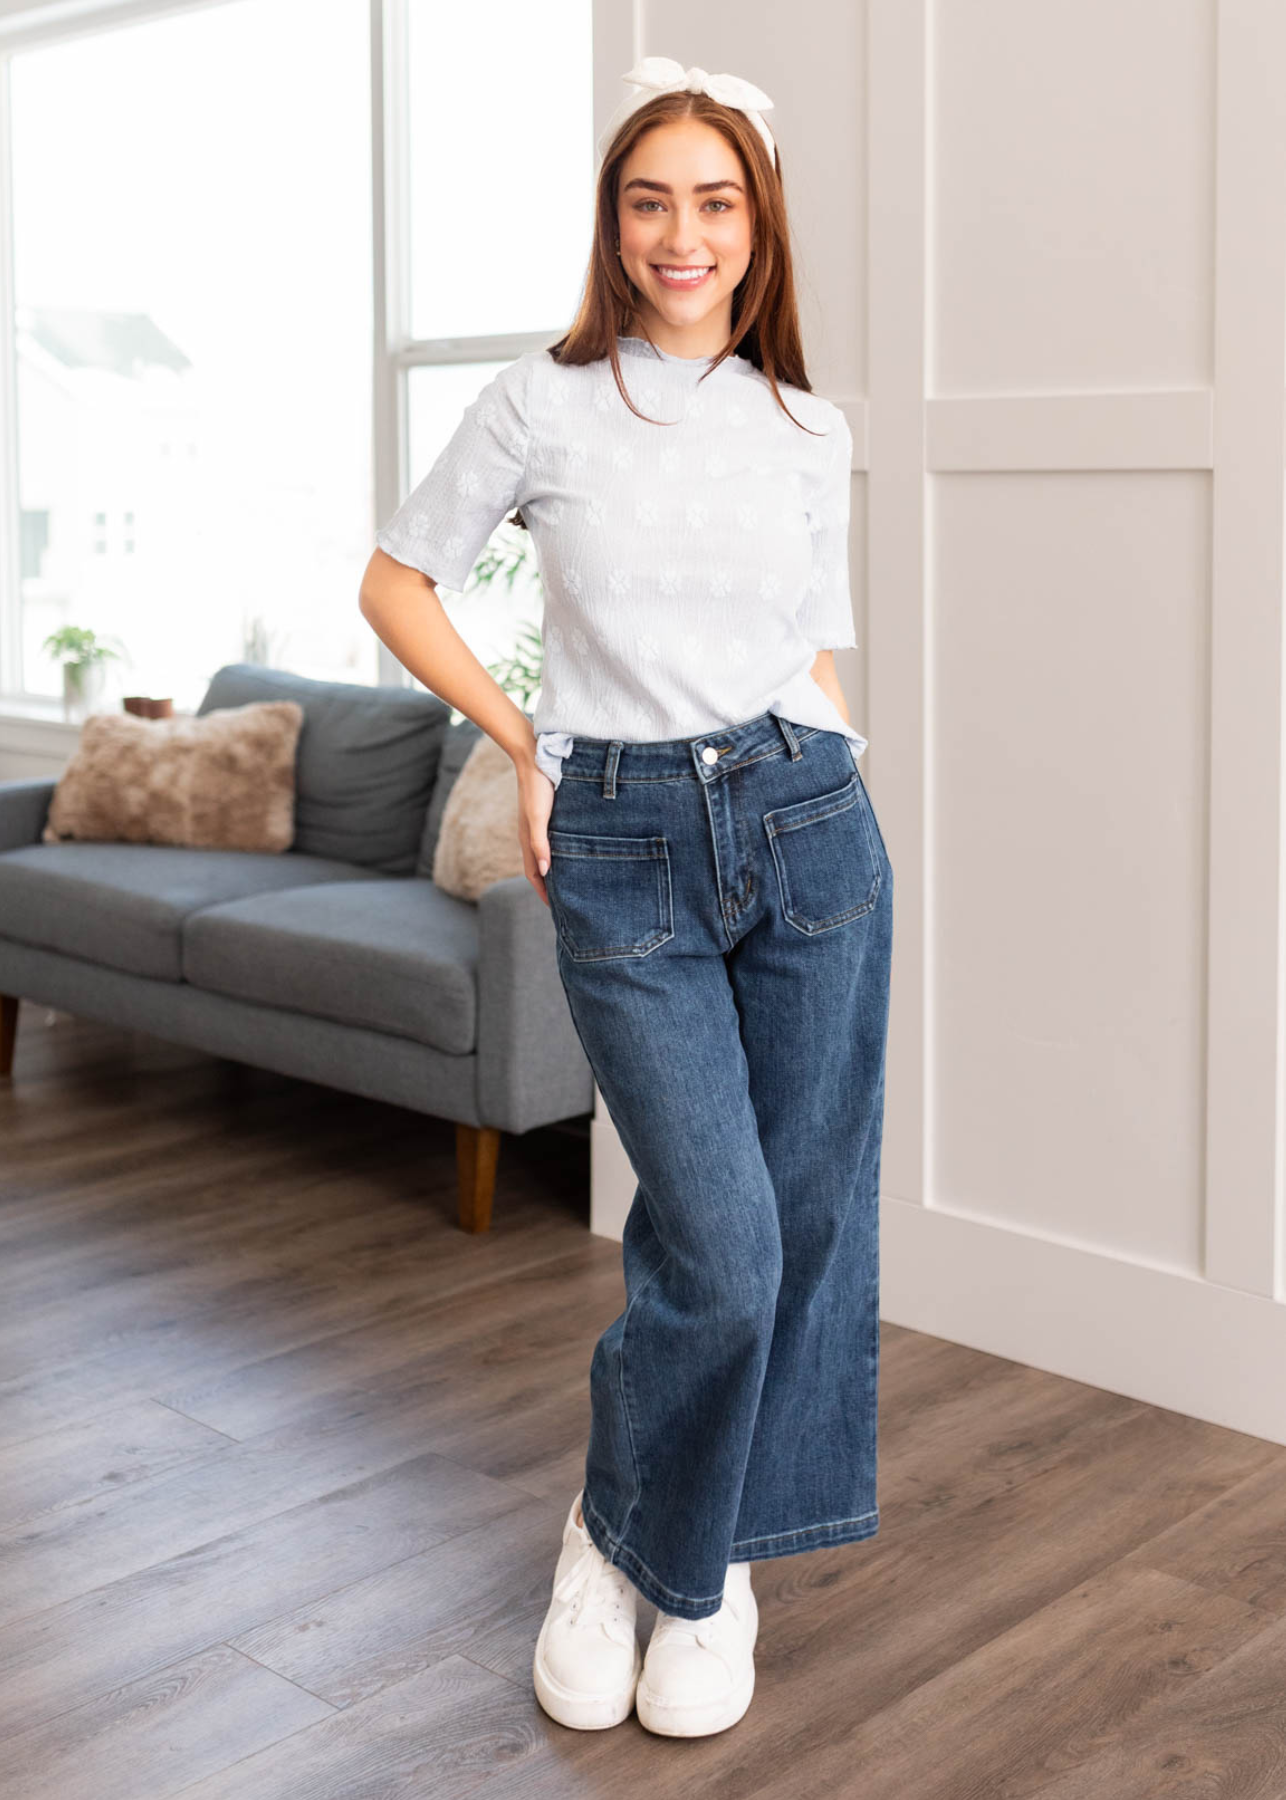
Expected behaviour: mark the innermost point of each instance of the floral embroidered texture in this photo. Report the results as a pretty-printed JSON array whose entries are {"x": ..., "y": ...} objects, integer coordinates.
[{"x": 691, "y": 570}]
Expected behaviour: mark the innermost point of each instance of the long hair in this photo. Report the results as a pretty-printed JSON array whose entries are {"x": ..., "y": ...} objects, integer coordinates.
[{"x": 765, "y": 316}]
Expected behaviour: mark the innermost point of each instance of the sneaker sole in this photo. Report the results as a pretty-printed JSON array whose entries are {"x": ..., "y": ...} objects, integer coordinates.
[{"x": 582, "y": 1712}]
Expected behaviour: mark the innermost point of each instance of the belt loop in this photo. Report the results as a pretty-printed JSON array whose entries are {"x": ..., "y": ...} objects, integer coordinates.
[
  {"x": 788, "y": 732},
  {"x": 609, "y": 768}
]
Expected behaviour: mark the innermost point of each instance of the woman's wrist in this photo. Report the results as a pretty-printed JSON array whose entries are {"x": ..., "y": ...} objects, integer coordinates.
[{"x": 521, "y": 751}]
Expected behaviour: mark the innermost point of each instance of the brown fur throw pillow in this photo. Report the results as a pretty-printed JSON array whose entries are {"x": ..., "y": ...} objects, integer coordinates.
[
  {"x": 479, "y": 843},
  {"x": 224, "y": 781}
]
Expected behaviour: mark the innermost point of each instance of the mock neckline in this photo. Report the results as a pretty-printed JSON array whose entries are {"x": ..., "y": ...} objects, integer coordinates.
[{"x": 697, "y": 365}]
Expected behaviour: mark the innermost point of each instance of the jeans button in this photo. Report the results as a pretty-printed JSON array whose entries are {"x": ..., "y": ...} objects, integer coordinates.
[{"x": 709, "y": 754}]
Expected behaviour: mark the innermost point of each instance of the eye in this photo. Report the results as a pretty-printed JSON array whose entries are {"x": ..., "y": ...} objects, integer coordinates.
[{"x": 642, "y": 204}]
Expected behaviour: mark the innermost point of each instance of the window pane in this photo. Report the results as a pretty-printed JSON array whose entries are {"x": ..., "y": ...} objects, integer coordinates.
[
  {"x": 500, "y": 126},
  {"x": 192, "y": 253}
]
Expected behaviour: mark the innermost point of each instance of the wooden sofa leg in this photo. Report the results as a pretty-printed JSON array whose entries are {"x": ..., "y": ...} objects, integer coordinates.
[
  {"x": 8, "y": 1031},
  {"x": 477, "y": 1148}
]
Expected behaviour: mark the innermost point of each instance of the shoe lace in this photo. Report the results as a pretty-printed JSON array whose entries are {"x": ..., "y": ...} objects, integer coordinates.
[
  {"x": 596, "y": 1589},
  {"x": 704, "y": 1632}
]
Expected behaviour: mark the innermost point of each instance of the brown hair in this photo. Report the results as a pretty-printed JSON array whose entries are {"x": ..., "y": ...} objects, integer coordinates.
[{"x": 765, "y": 318}]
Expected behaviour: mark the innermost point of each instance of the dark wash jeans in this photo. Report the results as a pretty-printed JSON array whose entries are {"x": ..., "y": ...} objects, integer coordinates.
[{"x": 724, "y": 930}]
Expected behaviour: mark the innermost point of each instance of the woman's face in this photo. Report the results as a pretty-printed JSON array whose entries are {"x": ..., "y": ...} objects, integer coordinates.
[{"x": 683, "y": 205}]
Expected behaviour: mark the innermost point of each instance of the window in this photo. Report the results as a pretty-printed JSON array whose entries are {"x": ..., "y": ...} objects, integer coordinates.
[
  {"x": 192, "y": 337},
  {"x": 194, "y": 310},
  {"x": 500, "y": 191},
  {"x": 501, "y": 168}
]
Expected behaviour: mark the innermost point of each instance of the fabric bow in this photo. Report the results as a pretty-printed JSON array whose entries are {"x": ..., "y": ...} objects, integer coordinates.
[{"x": 663, "y": 75}]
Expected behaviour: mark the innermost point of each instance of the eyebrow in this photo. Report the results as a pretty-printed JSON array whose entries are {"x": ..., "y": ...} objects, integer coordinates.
[{"x": 663, "y": 187}]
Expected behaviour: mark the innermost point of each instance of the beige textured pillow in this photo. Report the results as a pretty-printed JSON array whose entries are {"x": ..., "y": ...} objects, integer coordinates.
[
  {"x": 225, "y": 781},
  {"x": 478, "y": 841}
]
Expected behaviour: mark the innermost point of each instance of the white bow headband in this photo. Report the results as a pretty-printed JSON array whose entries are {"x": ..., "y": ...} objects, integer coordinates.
[{"x": 662, "y": 75}]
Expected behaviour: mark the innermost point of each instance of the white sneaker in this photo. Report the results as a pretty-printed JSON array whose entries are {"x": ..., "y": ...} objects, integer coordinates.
[
  {"x": 587, "y": 1660},
  {"x": 699, "y": 1674}
]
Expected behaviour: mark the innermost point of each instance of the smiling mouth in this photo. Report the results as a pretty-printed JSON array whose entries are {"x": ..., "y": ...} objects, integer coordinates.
[{"x": 677, "y": 275}]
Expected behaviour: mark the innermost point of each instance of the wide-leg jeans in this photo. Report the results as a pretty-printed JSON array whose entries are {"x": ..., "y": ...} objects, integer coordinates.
[{"x": 723, "y": 914}]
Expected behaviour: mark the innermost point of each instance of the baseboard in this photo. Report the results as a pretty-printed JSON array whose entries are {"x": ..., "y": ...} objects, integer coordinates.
[{"x": 1166, "y": 1336}]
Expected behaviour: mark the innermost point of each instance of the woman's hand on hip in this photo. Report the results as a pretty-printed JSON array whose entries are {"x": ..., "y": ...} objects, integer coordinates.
[{"x": 535, "y": 803}]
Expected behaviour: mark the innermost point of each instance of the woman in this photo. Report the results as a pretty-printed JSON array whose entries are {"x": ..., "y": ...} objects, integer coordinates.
[{"x": 693, "y": 815}]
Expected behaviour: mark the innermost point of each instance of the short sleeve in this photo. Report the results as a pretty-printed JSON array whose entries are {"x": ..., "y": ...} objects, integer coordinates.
[
  {"x": 825, "y": 613},
  {"x": 443, "y": 525}
]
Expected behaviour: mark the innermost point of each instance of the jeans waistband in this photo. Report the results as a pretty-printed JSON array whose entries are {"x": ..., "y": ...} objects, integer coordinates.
[{"x": 706, "y": 757}]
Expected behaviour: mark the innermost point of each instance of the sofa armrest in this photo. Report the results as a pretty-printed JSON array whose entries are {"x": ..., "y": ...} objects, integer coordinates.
[
  {"x": 532, "y": 1068},
  {"x": 24, "y": 808}
]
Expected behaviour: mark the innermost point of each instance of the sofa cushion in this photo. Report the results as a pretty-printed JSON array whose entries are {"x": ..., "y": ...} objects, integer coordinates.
[
  {"x": 123, "y": 904},
  {"x": 394, "y": 955},
  {"x": 366, "y": 763},
  {"x": 224, "y": 782},
  {"x": 479, "y": 842}
]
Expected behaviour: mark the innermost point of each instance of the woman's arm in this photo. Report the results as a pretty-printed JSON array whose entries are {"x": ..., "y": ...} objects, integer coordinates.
[
  {"x": 402, "y": 607},
  {"x": 404, "y": 611},
  {"x": 823, "y": 673}
]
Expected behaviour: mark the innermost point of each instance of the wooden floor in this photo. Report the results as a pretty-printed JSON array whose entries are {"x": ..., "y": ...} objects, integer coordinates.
[{"x": 285, "y": 1458}]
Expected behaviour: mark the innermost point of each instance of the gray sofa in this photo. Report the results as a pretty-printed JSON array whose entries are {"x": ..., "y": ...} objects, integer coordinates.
[{"x": 338, "y": 961}]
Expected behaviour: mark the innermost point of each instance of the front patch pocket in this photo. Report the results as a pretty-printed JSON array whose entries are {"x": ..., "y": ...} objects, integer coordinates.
[
  {"x": 610, "y": 896},
  {"x": 827, "y": 866}
]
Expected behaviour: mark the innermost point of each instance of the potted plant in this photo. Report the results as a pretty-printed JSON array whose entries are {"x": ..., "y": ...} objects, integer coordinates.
[{"x": 83, "y": 656}]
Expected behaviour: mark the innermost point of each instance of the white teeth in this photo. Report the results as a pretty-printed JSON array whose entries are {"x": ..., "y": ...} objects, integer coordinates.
[{"x": 683, "y": 274}]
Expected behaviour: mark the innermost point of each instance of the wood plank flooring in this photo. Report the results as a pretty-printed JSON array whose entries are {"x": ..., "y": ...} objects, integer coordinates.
[{"x": 285, "y": 1458}]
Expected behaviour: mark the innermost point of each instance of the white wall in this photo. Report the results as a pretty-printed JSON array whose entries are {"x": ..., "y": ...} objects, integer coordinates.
[{"x": 1044, "y": 255}]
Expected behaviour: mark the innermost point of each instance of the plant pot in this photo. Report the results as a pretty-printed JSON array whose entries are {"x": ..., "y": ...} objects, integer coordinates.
[{"x": 82, "y": 689}]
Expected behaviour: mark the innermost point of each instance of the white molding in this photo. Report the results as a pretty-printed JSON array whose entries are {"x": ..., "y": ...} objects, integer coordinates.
[
  {"x": 32, "y": 730},
  {"x": 35, "y": 746},
  {"x": 1246, "y": 1006},
  {"x": 899, "y": 708},
  {"x": 856, "y": 408},
  {"x": 1137, "y": 430}
]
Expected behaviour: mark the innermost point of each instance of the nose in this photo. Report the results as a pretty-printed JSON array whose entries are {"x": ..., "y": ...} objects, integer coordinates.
[
  {"x": 683, "y": 250},
  {"x": 685, "y": 234}
]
